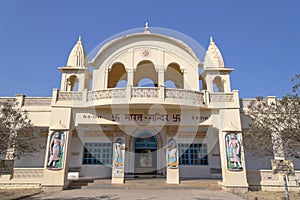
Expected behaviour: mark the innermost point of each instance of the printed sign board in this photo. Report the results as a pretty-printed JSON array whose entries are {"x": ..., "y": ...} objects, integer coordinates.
[{"x": 6, "y": 167}]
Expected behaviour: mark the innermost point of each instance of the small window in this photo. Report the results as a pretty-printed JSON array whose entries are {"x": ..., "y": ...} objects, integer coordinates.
[
  {"x": 97, "y": 154},
  {"x": 193, "y": 154}
]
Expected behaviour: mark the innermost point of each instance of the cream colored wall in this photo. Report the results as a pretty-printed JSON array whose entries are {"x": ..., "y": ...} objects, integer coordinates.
[
  {"x": 76, "y": 154},
  {"x": 40, "y": 117},
  {"x": 202, "y": 171},
  {"x": 36, "y": 160}
]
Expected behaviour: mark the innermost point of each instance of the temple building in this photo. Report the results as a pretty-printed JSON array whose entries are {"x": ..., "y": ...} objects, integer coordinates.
[{"x": 146, "y": 102}]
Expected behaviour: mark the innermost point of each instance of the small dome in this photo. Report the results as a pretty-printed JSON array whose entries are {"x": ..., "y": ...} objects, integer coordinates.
[{"x": 77, "y": 56}]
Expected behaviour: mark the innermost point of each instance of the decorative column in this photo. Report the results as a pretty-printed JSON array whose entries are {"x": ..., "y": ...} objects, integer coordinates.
[
  {"x": 161, "y": 77},
  {"x": 56, "y": 159},
  {"x": 172, "y": 162},
  {"x": 232, "y": 159},
  {"x": 129, "y": 77},
  {"x": 118, "y": 160}
]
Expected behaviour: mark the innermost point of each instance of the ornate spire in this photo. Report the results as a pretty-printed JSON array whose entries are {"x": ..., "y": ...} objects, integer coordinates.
[
  {"x": 77, "y": 55},
  {"x": 213, "y": 57}
]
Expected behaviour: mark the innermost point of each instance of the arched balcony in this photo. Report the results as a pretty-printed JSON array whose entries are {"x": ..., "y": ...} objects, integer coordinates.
[{"x": 146, "y": 90}]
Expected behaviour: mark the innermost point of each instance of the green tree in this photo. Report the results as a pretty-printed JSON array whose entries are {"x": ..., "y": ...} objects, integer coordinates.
[
  {"x": 275, "y": 127},
  {"x": 16, "y": 135}
]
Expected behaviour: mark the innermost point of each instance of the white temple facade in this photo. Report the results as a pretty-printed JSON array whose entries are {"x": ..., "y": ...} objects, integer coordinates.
[{"x": 143, "y": 103}]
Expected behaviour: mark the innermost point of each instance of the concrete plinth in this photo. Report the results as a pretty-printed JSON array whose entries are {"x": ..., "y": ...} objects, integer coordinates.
[
  {"x": 173, "y": 176},
  {"x": 117, "y": 180}
]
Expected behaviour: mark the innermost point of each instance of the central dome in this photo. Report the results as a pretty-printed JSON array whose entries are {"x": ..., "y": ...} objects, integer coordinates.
[{"x": 187, "y": 43}]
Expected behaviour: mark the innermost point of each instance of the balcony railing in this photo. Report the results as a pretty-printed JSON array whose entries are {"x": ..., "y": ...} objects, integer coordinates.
[
  {"x": 221, "y": 97},
  {"x": 36, "y": 101},
  {"x": 146, "y": 94},
  {"x": 70, "y": 96},
  {"x": 106, "y": 94},
  {"x": 196, "y": 97}
]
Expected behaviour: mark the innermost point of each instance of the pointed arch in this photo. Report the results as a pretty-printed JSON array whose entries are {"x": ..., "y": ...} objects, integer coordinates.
[
  {"x": 145, "y": 70},
  {"x": 117, "y": 75},
  {"x": 175, "y": 74}
]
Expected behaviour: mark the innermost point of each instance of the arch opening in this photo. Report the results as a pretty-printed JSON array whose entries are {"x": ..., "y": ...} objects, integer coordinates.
[
  {"x": 218, "y": 85},
  {"x": 174, "y": 74},
  {"x": 202, "y": 84},
  {"x": 145, "y": 71},
  {"x": 170, "y": 84},
  {"x": 73, "y": 83},
  {"x": 146, "y": 82},
  {"x": 117, "y": 76}
]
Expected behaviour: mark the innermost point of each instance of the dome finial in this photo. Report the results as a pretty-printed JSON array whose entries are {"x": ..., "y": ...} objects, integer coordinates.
[
  {"x": 211, "y": 39},
  {"x": 79, "y": 39},
  {"x": 146, "y": 26},
  {"x": 146, "y": 30}
]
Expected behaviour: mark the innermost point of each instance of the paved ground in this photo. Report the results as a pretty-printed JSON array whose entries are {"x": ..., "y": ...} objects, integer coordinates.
[
  {"x": 144, "y": 189},
  {"x": 113, "y": 194}
]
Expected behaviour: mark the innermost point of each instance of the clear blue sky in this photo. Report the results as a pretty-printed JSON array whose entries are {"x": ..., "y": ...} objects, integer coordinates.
[{"x": 259, "y": 39}]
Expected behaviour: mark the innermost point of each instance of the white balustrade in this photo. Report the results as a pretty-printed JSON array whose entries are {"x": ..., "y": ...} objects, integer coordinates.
[
  {"x": 119, "y": 93},
  {"x": 144, "y": 92},
  {"x": 196, "y": 97},
  {"x": 165, "y": 95},
  {"x": 69, "y": 96},
  {"x": 35, "y": 101},
  {"x": 221, "y": 97}
]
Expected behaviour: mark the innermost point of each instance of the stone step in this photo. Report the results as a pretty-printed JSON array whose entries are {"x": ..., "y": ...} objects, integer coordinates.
[
  {"x": 155, "y": 184},
  {"x": 79, "y": 183}
]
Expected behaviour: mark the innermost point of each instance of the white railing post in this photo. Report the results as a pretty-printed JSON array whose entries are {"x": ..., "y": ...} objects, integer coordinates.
[
  {"x": 128, "y": 93},
  {"x": 161, "y": 93},
  {"x": 84, "y": 96}
]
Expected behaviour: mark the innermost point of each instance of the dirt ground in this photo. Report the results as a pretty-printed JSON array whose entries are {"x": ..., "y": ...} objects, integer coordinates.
[
  {"x": 18, "y": 193},
  {"x": 262, "y": 195}
]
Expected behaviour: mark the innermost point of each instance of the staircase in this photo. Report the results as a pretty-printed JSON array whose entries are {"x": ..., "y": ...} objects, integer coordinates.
[{"x": 145, "y": 183}]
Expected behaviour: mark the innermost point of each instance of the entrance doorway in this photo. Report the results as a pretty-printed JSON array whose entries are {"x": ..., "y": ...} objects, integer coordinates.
[{"x": 145, "y": 153}]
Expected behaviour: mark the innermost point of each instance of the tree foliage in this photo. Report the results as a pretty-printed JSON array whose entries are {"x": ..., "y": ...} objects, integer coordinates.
[
  {"x": 16, "y": 132},
  {"x": 275, "y": 125}
]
